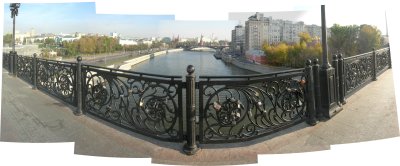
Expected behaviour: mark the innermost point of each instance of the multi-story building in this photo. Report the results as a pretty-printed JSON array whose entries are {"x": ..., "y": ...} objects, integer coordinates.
[
  {"x": 260, "y": 30},
  {"x": 237, "y": 42},
  {"x": 314, "y": 31},
  {"x": 275, "y": 31},
  {"x": 256, "y": 31}
]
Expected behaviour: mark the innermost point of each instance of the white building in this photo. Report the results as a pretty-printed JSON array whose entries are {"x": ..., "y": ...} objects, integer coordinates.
[
  {"x": 256, "y": 31},
  {"x": 260, "y": 30},
  {"x": 148, "y": 42},
  {"x": 127, "y": 42},
  {"x": 114, "y": 34},
  {"x": 314, "y": 31},
  {"x": 275, "y": 31}
]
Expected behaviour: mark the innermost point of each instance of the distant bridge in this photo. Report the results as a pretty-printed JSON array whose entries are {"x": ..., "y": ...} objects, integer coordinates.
[{"x": 188, "y": 48}]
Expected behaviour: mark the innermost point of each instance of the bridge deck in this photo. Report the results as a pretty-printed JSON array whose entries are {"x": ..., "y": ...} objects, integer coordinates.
[{"x": 31, "y": 116}]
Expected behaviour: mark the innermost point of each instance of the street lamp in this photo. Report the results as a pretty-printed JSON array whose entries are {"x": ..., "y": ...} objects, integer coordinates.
[{"x": 14, "y": 12}]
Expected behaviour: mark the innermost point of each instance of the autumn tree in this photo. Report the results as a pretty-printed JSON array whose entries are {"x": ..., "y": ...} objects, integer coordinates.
[
  {"x": 276, "y": 55},
  {"x": 369, "y": 38},
  {"x": 293, "y": 55}
]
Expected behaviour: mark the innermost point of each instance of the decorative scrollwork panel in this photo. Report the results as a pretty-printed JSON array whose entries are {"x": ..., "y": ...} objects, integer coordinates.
[
  {"x": 6, "y": 61},
  {"x": 25, "y": 68},
  {"x": 358, "y": 71},
  {"x": 57, "y": 78},
  {"x": 244, "y": 111},
  {"x": 382, "y": 59},
  {"x": 145, "y": 105}
]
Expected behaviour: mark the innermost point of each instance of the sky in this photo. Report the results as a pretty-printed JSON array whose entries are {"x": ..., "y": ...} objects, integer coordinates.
[
  {"x": 130, "y": 20},
  {"x": 80, "y": 17}
]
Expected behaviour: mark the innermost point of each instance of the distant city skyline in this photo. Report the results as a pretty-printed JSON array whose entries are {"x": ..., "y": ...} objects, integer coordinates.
[{"x": 81, "y": 17}]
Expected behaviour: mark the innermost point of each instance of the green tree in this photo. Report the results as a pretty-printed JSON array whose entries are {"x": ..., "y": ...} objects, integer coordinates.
[
  {"x": 49, "y": 41},
  {"x": 369, "y": 38},
  {"x": 7, "y": 39},
  {"x": 344, "y": 39}
]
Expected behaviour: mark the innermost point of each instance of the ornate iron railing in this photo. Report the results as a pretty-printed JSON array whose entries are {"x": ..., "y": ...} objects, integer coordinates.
[
  {"x": 362, "y": 69},
  {"x": 145, "y": 103},
  {"x": 229, "y": 109},
  {"x": 25, "y": 68},
  {"x": 358, "y": 71},
  {"x": 6, "y": 61},
  {"x": 246, "y": 107},
  {"x": 57, "y": 78},
  {"x": 382, "y": 60}
]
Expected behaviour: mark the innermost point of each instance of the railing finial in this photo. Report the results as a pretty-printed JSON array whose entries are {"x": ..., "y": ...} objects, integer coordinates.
[{"x": 190, "y": 69}]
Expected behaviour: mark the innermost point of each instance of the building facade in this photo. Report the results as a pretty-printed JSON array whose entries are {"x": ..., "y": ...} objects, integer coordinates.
[
  {"x": 256, "y": 31},
  {"x": 259, "y": 30},
  {"x": 237, "y": 41},
  {"x": 314, "y": 31}
]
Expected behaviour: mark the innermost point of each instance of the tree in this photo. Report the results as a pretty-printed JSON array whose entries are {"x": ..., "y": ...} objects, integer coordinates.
[
  {"x": 49, "y": 41},
  {"x": 369, "y": 38},
  {"x": 344, "y": 39},
  {"x": 276, "y": 55},
  {"x": 293, "y": 55},
  {"x": 7, "y": 39},
  {"x": 305, "y": 37}
]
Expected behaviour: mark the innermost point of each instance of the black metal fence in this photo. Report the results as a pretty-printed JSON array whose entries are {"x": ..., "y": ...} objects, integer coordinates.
[
  {"x": 145, "y": 103},
  {"x": 57, "y": 78},
  {"x": 229, "y": 108},
  {"x": 237, "y": 108},
  {"x": 361, "y": 69}
]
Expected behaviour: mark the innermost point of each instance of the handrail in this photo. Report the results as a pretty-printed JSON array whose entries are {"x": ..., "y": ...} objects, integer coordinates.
[
  {"x": 130, "y": 72},
  {"x": 254, "y": 75},
  {"x": 364, "y": 54}
]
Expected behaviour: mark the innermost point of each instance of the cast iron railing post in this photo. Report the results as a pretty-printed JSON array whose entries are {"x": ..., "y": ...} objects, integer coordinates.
[
  {"x": 341, "y": 79},
  {"x": 336, "y": 66},
  {"x": 15, "y": 61},
  {"x": 10, "y": 63},
  {"x": 390, "y": 58},
  {"x": 34, "y": 78},
  {"x": 190, "y": 147},
  {"x": 79, "y": 85},
  {"x": 317, "y": 88},
  {"x": 342, "y": 98},
  {"x": 373, "y": 65},
  {"x": 311, "y": 120}
]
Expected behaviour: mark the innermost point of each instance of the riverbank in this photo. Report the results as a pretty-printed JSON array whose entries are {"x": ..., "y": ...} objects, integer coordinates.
[
  {"x": 127, "y": 65},
  {"x": 243, "y": 63}
]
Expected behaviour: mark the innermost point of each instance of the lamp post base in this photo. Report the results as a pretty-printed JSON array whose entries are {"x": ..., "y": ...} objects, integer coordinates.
[{"x": 190, "y": 149}]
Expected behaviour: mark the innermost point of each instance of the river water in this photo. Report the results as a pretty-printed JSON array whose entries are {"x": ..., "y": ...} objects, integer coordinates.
[{"x": 175, "y": 63}]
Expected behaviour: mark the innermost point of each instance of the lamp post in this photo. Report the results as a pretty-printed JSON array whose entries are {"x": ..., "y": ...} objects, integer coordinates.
[
  {"x": 14, "y": 12},
  {"x": 328, "y": 83}
]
